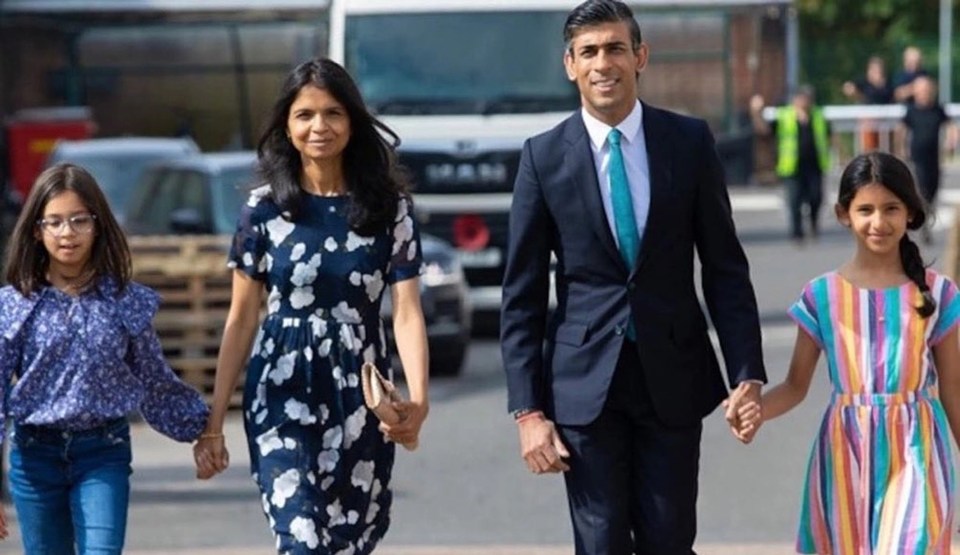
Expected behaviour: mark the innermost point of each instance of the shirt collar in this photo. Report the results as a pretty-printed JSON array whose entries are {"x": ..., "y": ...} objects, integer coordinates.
[
  {"x": 103, "y": 286},
  {"x": 629, "y": 127}
]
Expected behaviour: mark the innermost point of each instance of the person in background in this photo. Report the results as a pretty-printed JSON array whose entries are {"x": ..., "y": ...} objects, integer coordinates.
[
  {"x": 873, "y": 88},
  {"x": 329, "y": 231},
  {"x": 803, "y": 155},
  {"x": 904, "y": 79},
  {"x": 923, "y": 122},
  {"x": 612, "y": 388},
  {"x": 881, "y": 473},
  {"x": 77, "y": 336}
]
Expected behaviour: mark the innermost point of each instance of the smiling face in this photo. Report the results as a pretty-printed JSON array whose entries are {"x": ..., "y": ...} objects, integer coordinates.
[
  {"x": 877, "y": 218},
  {"x": 318, "y": 125},
  {"x": 602, "y": 62},
  {"x": 69, "y": 244}
]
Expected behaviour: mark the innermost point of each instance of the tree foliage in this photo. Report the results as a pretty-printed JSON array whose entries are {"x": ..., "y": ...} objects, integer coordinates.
[{"x": 837, "y": 37}]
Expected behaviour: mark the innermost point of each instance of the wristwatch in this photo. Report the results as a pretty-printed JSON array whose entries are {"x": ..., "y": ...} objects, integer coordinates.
[{"x": 523, "y": 412}]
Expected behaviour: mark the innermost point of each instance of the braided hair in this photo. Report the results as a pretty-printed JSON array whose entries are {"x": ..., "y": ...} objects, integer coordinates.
[{"x": 887, "y": 170}]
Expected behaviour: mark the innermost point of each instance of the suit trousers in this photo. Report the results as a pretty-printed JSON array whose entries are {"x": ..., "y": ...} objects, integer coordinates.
[
  {"x": 805, "y": 188},
  {"x": 632, "y": 483}
]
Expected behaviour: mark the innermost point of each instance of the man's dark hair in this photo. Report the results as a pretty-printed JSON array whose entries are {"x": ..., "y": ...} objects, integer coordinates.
[{"x": 595, "y": 12}]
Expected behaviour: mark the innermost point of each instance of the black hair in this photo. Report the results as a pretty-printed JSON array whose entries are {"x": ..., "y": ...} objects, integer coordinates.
[
  {"x": 881, "y": 168},
  {"x": 595, "y": 12},
  {"x": 372, "y": 177},
  {"x": 27, "y": 260}
]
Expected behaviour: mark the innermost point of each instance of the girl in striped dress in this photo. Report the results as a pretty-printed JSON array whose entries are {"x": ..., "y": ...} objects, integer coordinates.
[{"x": 881, "y": 476}]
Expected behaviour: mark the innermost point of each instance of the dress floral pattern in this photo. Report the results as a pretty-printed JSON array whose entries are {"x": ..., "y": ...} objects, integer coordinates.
[{"x": 322, "y": 465}]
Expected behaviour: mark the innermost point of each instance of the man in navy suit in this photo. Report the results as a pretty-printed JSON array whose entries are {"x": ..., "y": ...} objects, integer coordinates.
[{"x": 611, "y": 389}]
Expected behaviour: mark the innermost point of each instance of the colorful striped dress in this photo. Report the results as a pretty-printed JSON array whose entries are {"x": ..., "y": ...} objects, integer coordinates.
[{"x": 880, "y": 478}]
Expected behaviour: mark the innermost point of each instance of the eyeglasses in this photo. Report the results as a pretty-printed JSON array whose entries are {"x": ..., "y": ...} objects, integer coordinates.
[{"x": 81, "y": 223}]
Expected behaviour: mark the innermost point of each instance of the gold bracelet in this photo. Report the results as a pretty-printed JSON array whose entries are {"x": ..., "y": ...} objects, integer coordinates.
[{"x": 210, "y": 436}]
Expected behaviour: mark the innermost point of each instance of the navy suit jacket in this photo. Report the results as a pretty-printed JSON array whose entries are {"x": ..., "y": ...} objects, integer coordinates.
[{"x": 564, "y": 366}]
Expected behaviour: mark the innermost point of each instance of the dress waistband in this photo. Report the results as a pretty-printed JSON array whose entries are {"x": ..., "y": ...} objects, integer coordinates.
[{"x": 880, "y": 399}]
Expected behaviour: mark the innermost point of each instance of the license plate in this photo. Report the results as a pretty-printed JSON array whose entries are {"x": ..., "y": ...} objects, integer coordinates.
[{"x": 486, "y": 258}]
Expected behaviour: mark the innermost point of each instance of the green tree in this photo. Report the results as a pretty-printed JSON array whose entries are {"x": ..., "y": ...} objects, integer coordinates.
[{"x": 837, "y": 37}]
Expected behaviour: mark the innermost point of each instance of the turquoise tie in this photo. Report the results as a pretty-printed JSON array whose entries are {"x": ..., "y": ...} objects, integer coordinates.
[{"x": 623, "y": 217}]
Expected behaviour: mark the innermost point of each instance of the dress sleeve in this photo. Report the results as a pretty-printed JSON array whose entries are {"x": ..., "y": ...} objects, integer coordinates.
[
  {"x": 248, "y": 252},
  {"x": 406, "y": 256},
  {"x": 170, "y": 406},
  {"x": 948, "y": 305},
  {"x": 804, "y": 313}
]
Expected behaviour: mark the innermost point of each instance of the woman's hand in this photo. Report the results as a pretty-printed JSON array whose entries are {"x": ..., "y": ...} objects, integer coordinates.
[
  {"x": 210, "y": 455},
  {"x": 407, "y": 431}
]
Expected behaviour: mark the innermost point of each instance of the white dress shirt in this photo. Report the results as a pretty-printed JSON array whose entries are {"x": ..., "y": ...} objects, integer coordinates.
[{"x": 634, "y": 149}]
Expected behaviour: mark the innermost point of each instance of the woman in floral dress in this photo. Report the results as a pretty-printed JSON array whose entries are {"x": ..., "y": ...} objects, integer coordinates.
[{"x": 330, "y": 230}]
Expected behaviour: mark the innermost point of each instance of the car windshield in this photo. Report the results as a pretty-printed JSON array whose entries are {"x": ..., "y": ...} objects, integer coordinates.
[
  {"x": 234, "y": 189},
  {"x": 403, "y": 62},
  {"x": 117, "y": 177}
]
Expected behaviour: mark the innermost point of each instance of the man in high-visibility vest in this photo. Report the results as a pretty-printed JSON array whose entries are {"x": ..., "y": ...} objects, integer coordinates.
[{"x": 803, "y": 154}]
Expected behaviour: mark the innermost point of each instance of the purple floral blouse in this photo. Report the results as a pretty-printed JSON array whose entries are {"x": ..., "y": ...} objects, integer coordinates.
[{"x": 82, "y": 361}]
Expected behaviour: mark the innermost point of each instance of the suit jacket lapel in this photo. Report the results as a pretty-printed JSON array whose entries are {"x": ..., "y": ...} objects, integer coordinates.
[
  {"x": 656, "y": 134},
  {"x": 581, "y": 168}
]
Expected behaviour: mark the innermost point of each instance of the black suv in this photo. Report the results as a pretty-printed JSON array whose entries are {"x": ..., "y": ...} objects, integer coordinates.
[{"x": 202, "y": 195}]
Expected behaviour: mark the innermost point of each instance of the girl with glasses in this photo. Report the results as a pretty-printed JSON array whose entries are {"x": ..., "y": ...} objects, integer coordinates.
[{"x": 77, "y": 336}]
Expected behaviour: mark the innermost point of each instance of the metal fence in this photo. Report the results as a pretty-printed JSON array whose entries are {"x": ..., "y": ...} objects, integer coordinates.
[{"x": 850, "y": 125}]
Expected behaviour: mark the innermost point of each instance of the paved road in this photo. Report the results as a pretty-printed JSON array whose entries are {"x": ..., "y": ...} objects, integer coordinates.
[{"x": 465, "y": 492}]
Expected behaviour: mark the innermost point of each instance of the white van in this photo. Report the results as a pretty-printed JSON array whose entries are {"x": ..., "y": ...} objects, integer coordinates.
[{"x": 465, "y": 82}]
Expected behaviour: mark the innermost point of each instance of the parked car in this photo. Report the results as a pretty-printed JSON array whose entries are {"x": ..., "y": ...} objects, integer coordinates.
[
  {"x": 202, "y": 194},
  {"x": 118, "y": 163}
]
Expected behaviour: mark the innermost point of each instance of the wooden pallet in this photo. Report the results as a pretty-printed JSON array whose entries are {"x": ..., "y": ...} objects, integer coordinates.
[{"x": 192, "y": 278}]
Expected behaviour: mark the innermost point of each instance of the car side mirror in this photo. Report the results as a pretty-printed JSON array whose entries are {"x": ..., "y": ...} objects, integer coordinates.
[{"x": 188, "y": 220}]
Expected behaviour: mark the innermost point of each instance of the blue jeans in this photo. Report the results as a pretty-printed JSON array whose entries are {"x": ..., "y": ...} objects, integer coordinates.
[{"x": 71, "y": 489}]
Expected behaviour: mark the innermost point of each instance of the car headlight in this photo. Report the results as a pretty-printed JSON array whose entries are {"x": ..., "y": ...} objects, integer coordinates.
[{"x": 441, "y": 271}]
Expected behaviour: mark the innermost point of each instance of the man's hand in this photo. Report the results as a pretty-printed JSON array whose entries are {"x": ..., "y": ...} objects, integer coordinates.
[
  {"x": 541, "y": 446},
  {"x": 744, "y": 411}
]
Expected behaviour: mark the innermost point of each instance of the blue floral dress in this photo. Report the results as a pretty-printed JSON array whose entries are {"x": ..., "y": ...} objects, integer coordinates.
[{"x": 322, "y": 465}]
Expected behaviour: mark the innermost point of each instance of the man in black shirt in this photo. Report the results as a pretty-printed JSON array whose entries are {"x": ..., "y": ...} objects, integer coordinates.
[
  {"x": 872, "y": 88},
  {"x": 924, "y": 118},
  {"x": 903, "y": 82}
]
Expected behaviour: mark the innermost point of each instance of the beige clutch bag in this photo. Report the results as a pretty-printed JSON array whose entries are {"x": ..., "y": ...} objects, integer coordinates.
[{"x": 379, "y": 393}]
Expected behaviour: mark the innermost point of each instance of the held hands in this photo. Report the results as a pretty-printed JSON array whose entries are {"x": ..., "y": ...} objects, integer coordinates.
[
  {"x": 744, "y": 411},
  {"x": 407, "y": 431},
  {"x": 210, "y": 455},
  {"x": 541, "y": 446}
]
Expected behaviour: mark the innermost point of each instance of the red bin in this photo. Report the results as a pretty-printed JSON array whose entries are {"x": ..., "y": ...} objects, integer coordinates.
[{"x": 31, "y": 134}]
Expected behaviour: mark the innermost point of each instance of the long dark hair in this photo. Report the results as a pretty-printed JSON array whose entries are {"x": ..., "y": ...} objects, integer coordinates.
[
  {"x": 595, "y": 12},
  {"x": 880, "y": 168},
  {"x": 373, "y": 179},
  {"x": 27, "y": 259}
]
